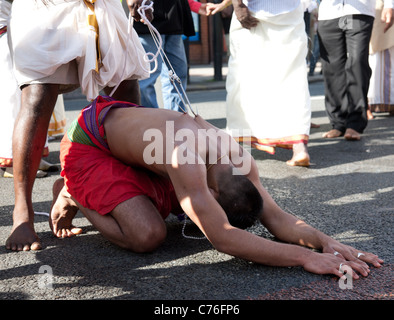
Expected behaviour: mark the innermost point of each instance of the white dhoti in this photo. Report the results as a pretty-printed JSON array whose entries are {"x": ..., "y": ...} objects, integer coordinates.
[
  {"x": 11, "y": 96},
  {"x": 11, "y": 103},
  {"x": 58, "y": 122},
  {"x": 267, "y": 89},
  {"x": 56, "y": 43},
  {"x": 381, "y": 61},
  {"x": 381, "y": 92},
  {"x": 9, "y": 91}
]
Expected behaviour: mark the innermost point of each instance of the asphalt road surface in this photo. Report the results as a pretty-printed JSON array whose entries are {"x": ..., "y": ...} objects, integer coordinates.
[{"x": 347, "y": 193}]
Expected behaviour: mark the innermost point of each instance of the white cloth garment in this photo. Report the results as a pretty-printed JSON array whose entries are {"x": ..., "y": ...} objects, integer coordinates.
[
  {"x": 9, "y": 92},
  {"x": 381, "y": 61},
  {"x": 332, "y": 9},
  {"x": 58, "y": 122},
  {"x": 381, "y": 92},
  {"x": 267, "y": 87},
  {"x": 269, "y": 8},
  {"x": 54, "y": 43}
]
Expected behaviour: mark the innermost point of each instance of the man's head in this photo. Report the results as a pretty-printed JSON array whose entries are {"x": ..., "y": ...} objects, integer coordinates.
[{"x": 239, "y": 198}]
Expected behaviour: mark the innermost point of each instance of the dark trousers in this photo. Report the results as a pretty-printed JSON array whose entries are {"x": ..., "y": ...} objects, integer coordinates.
[{"x": 344, "y": 45}]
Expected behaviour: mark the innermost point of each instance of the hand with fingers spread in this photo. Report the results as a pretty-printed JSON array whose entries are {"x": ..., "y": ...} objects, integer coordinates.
[
  {"x": 326, "y": 263},
  {"x": 357, "y": 260},
  {"x": 351, "y": 254}
]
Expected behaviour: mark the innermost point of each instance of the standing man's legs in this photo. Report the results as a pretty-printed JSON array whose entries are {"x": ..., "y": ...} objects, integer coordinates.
[
  {"x": 30, "y": 131},
  {"x": 175, "y": 52},
  {"x": 333, "y": 56},
  {"x": 147, "y": 86},
  {"x": 344, "y": 52},
  {"x": 358, "y": 72}
]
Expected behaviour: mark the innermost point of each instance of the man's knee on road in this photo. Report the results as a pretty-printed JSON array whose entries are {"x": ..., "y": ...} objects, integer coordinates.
[{"x": 148, "y": 239}]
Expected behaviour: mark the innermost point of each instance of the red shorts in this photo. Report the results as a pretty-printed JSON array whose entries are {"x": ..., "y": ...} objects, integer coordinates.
[{"x": 100, "y": 182}]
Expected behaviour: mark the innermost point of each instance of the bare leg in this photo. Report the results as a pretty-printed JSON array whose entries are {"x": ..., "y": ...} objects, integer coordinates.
[
  {"x": 128, "y": 90},
  {"x": 134, "y": 224},
  {"x": 369, "y": 113},
  {"x": 29, "y": 137},
  {"x": 300, "y": 156}
]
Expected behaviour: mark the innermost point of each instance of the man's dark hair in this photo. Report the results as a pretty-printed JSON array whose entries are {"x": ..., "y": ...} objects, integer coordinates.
[{"x": 240, "y": 199}]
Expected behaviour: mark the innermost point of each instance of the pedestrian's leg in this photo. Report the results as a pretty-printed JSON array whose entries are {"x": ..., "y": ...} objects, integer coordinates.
[
  {"x": 30, "y": 132},
  {"x": 333, "y": 55},
  {"x": 147, "y": 86},
  {"x": 315, "y": 55},
  {"x": 358, "y": 74},
  {"x": 300, "y": 156},
  {"x": 175, "y": 51}
]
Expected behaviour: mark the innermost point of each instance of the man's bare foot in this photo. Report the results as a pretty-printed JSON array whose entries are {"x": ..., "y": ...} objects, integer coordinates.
[
  {"x": 369, "y": 113},
  {"x": 23, "y": 237},
  {"x": 300, "y": 156},
  {"x": 63, "y": 212},
  {"x": 333, "y": 133},
  {"x": 352, "y": 135}
]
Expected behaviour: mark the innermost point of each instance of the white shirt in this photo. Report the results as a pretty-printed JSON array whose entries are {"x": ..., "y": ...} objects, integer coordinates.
[
  {"x": 5, "y": 10},
  {"x": 270, "y": 8},
  {"x": 332, "y": 9}
]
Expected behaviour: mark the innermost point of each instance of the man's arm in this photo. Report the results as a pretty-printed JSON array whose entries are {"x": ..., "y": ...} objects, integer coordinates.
[
  {"x": 197, "y": 201},
  {"x": 213, "y": 8},
  {"x": 288, "y": 228}
]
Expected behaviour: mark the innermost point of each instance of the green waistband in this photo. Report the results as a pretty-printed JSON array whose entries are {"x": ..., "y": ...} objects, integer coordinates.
[{"x": 76, "y": 134}]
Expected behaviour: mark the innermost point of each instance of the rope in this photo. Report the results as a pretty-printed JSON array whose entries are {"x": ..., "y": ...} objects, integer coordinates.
[
  {"x": 150, "y": 57},
  {"x": 172, "y": 74}
]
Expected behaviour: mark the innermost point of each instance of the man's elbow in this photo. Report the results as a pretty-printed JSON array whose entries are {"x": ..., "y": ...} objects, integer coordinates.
[{"x": 224, "y": 243}]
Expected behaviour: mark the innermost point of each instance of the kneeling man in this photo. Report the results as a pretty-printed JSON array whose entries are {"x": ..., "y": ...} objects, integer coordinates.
[{"x": 127, "y": 167}]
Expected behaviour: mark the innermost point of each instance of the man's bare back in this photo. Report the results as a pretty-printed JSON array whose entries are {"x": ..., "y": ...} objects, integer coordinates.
[{"x": 198, "y": 140}]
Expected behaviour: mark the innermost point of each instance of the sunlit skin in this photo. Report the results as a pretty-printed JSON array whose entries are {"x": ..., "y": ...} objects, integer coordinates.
[
  {"x": 30, "y": 131},
  {"x": 196, "y": 189}
]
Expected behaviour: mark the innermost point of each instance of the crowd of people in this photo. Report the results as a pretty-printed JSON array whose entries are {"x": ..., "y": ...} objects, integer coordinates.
[{"x": 89, "y": 44}]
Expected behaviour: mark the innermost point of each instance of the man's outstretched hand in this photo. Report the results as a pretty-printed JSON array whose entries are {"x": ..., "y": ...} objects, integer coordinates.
[{"x": 336, "y": 256}]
